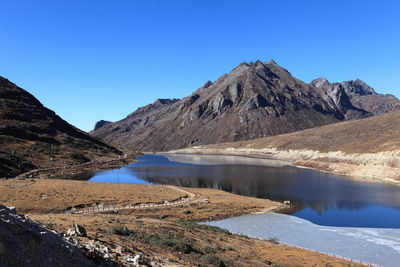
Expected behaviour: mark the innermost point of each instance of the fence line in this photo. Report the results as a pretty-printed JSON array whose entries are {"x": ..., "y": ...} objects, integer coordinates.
[
  {"x": 366, "y": 263},
  {"x": 104, "y": 207}
]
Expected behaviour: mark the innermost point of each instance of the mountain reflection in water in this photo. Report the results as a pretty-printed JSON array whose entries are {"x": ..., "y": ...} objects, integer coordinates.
[{"x": 318, "y": 197}]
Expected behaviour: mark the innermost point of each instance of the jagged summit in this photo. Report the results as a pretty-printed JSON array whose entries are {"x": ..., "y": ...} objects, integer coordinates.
[
  {"x": 253, "y": 100},
  {"x": 320, "y": 82},
  {"x": 361, "y": 95},
  {"x": 358, "y": 87}
]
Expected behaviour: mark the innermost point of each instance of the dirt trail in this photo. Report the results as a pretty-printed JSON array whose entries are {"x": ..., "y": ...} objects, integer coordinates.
[{"x": 190, "y": 198}]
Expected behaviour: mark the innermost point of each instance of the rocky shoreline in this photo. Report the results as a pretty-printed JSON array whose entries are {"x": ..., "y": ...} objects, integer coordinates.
[{"x": 373, "y": 167}]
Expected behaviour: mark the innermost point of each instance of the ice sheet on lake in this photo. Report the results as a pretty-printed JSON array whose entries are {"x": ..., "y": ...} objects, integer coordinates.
[{"x": 374, "y": 245}]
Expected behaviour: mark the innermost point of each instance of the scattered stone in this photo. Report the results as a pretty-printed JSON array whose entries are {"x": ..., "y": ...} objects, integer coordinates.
[
  {"x": 186, "y": 211},
  {"x": 26, "y": 243},
  {"x": 79, "y": 230},
  {"x": 136, "y": 260},
  {"x": 71, "y": 232},
  {"x": 119, "y": 250},
  {"x": 13, "y": 210}
]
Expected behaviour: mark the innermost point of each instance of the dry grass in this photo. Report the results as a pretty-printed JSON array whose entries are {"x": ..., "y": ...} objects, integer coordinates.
[
  {"x": 187, "y": 243},
  {"x": 165, "y": 235},
  {"x": 371, "y": 135},
  {"x": 56, "y": 195}
]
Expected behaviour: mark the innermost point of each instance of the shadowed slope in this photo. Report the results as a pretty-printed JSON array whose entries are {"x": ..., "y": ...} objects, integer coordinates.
[{"x": 32, "y": 136}]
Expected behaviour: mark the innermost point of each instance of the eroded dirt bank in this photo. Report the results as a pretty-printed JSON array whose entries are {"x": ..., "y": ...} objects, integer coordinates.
[{"x": 378, "y": 167}]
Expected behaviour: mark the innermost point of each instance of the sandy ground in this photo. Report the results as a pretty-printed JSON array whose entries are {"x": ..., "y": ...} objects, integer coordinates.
[{"x": 47, "y": 200}]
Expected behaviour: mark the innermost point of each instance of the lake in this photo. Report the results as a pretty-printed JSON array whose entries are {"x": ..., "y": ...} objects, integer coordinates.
[{"x": 318, "y": 197}]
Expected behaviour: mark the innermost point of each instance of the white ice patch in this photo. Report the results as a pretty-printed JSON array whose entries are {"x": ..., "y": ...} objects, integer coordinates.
[{"x": 371, "y": 245}]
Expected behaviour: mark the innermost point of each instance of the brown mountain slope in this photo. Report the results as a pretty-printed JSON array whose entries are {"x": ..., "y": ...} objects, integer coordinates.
[
  {"x": 253, "y": 100},
  {"x": 32, "y": 136},
  {"x": 369, "y": 147},
  {"x": 370, "y": 135}
]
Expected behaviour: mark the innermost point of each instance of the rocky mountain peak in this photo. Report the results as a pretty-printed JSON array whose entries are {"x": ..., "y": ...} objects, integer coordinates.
[
  {"x": 208, "y": 84},
  {"x": 99, "y": 124},
  {"x": 320, "y": 82},
  {"x": 254, "y": 99},
  {"x": 358, "y": 87},
  {"x": 357, "y": 94},
  {"x": 165, "y": 101}
]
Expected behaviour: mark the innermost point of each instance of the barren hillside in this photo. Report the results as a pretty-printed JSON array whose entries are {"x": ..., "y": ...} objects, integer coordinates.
[{"x": 32, "y": 136}]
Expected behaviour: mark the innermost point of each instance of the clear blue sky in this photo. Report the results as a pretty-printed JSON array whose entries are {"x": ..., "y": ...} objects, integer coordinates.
[{"x": 92, "y": 60}]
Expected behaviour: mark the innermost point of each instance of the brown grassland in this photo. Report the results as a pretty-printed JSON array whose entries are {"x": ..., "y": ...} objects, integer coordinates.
[{"x": 166, "y": 235}]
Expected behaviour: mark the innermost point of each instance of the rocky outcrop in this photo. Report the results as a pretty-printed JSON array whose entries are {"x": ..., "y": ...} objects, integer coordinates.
[
  {"x": 254, "y": 100},
  {"x": 361, "y": 95},
  {"x": 26, "y": 243},
  {"x": 100, "y": 124},
  {"x": 33, "y": 136}
]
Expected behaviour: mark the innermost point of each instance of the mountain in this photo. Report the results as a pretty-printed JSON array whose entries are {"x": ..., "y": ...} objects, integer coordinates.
[
  {"x": 368, "y": 147},
  {"x": 361, "y": 95},
  {"x": 253, "y": 100},
  {"x": 32, "y": 136}
]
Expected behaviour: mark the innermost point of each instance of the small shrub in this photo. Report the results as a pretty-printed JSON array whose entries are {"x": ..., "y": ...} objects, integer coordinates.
[
  {"x": 193, "y": 225},
  {"x": 207, "y": 250},
  {"x": 213, "y": 260},
  {"x": 120, "y": 230},
  {"x": 163, "y": 240},
  {"x": 273, "y": 240}
]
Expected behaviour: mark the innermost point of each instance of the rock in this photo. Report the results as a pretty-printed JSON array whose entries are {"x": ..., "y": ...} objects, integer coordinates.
[
  {"x": 13, "y": 210},
  {"x": 71, "y": 232},
  {"x": 186, "y": 211},
  {"x": 119, "y": 250},
  {"x": 26, "y": 243},
  {"x": 2, "y": 248},
  {"x": 114, "y": 256},
  {"x": 79, "y": 230},
  {"x": 136, "y": 260}
]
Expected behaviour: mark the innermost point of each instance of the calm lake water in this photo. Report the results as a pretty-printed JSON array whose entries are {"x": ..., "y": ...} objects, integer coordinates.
[{"x": 318, "y": 197}]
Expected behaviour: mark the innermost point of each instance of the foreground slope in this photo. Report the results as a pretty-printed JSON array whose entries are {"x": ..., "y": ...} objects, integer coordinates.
[
  {"x": 32, "y": 136},
  {"x": 26, "y": 243},
  {"x": 253, "y": 100},
  {"x": 155, "y": 236},
  {"x": 369, "y": 147}
]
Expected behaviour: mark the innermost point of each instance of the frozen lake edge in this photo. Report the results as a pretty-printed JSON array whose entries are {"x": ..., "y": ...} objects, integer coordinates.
[{"x": 380, "y": 246}]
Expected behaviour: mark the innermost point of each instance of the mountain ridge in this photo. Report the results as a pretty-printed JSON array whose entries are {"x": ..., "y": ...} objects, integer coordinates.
[
  {"x": 361, "y": 95},
  {"x": 33, "y": 136},
  {"x": 253, "y": 100}
]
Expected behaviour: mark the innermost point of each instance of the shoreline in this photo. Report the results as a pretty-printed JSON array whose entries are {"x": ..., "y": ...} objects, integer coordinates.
[
  {"x": 295, "y": 158},
  {"x": 71, "y": 171}
]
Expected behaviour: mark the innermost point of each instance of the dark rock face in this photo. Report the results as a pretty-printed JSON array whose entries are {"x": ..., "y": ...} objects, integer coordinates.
[
  {"x": 362, "y": 96},
  {"x": 100, "y": 124},
  {"x": 33, "y": 136},
  {"x": 25, "y": 243},
  {"x": 253, "y": 100}
]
